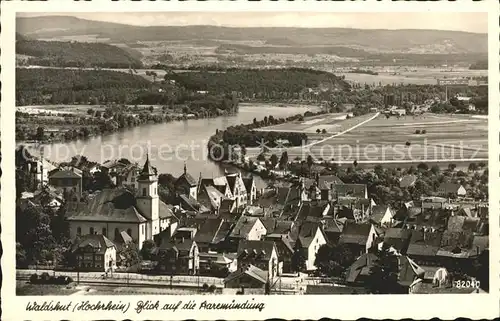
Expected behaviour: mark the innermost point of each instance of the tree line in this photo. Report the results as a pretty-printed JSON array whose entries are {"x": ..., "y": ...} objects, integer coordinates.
[{"x": 75, "y": 54}]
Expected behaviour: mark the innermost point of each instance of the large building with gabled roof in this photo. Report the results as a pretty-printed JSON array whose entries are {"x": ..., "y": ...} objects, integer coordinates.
[{"x": 113, "y": 211}]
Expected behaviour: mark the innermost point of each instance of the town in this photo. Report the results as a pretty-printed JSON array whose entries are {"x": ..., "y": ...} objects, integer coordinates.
[
  {"x": 351, "y": 231},
  {"x": 265, "y": 162}
]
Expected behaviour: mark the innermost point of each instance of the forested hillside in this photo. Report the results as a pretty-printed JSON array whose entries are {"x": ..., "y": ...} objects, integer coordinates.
[
  {"x": 65, "y": 86},
  {"x": 284, "y": 82},
  {"x": 75, "y": 54}
]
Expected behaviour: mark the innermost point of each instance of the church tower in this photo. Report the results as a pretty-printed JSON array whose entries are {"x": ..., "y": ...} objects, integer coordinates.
[{"x": 148, "y": 200}]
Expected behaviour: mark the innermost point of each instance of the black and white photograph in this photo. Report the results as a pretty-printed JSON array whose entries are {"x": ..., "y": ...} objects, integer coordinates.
[{"x": 250, "y": 154}]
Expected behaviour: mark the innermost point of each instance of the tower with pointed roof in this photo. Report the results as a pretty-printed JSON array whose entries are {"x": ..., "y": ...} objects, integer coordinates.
[{"x": 147, "y": 198}]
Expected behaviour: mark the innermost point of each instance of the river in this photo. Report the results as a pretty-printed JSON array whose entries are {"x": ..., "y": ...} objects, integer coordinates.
[{"x": 170, "y": 145}]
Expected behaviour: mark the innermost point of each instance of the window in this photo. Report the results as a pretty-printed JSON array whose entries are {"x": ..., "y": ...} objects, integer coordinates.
[
  {"x": 155, "y": 191},
  {"x": 129, "y": 232},
  {"x": 143, "y": 229},
  {"x": 144, "y": 192},
  {"x": 117, "y": 234},
  {"x": 78, "y": 230},
  {"x": 104, "y": 232},
  {"x": 91, "y": 230}
]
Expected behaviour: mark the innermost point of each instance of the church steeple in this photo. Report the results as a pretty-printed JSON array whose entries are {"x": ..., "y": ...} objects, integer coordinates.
[{"x": 147, "y": 173}]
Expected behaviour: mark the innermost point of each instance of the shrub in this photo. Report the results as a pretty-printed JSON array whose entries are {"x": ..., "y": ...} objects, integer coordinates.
[
  {"x": 45, "y": 277},
  {"x": 417, "y": 131},
  {"x": 204, "y": 287},
  {"x": 34, "y": 279},
  {"x": 408, "y": 143},
  {"x": 212, "y": 288},
  {"x": 424, "y": 131}
]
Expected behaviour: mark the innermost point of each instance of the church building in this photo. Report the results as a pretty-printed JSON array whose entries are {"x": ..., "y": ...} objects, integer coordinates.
[{"x": 115, "y": 210}]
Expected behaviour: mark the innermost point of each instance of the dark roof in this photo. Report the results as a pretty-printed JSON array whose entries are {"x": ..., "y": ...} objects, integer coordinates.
[
  {"x": 223, "y": 232},
  {"x": 124, "y": 238},
  {"x": 312, "y": 209},
  {"x": 378, "y": 212},
  {"x": 269, "y": 223},
  {"x": 66, "y": 173},
  {"x": 147, "y": 172},
  {"x": 208, "y": 230},
  {"x": 307, "y": 232},
  {"x": 98, "y": 242},
  {"x": 251, "y": 271},
  {"x": 449, "y": 187},
  {"x": 409, "y": 271},
  {"x": 257, "y": 249},
  {"x": 355, "y": 233},
  {"x": 361, "y": 266},
  {"x": 243, "y": 226},
  {"x": 186, "y": 178},
  {"x": 407, "y": 181},
  {"x": 178, "y": 245},
  {"x": 248, "y": 181},
  {"x": 354, "y": 190},
  {"x": 424, "y": 243},
  {"x": 398, "y": 238},
  {"x": 231, "y": 181},
  {"x": 111, "y": 205},
  {"x": 323, "y": 181},
  {"x": 165, "y": 211},
  {"x": 456, "y": 241}
]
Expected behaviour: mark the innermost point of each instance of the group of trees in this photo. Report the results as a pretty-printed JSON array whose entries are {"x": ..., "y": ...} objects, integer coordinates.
[
  {"x": 42, "y": 86},
  {"x": 76, "y": 54},
  {"x": 255, "y": 83}
]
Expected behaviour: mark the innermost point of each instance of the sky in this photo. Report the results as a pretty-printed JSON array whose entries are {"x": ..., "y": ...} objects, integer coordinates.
[{"x": 458, "y": 21}]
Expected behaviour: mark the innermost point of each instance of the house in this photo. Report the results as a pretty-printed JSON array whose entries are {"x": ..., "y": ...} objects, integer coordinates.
[
  {"x": 451, "y": 189},
  {"x": 48, "y": 197},
  {"x": 68, "y": 180},
  {"x": 190, "y": 204},
  {"x": 178, "y": 256},
  {"x": 212, "y": 234},
  {"x": 424, "y": 245},
  {"x": 94, "y": 252},
  {"x": 332, "y": 228},
  {"x": 127, "y": 176},
  {"x": 313, "y": 210},
  {"x": 310, "y": 239},
  {"x": 39, "y": 170},
  {"x": 284, "y": 246},
  {"x": 220, "y": 183},
  {"x": 398, "y": 238},
  {"x": 238, "y": 189},
  {"x": 251, "y": 189},
  {"x": 114, "y": 210},
  {"x": 217, "y": 264},
  {"x": 409, "y": 273},
  {"x": 111, "y": 167},
  {"x": 246, "y": 228},
  {"x": 358, "y": 191},
  {"x": 358, "y": 237},
  {"x": 407, "y": 181},
  {"x": 382, "y": 215},
  {"x": 186, "y": 184},
  {"x": 250, "y": 277},
  {"x": 210, "y": 197},
  {"x": 261, "y": 254}
]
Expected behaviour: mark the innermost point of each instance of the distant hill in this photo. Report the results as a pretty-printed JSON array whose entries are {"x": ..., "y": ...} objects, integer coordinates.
[
  {"x": 420, "y": 41},
  {"x": 75, "y": 54}
]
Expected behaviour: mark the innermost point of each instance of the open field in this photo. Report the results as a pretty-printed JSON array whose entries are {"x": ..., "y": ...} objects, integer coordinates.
[
  {"x": 332, "y": 123},
  {"x": 384, "y": 141}
]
